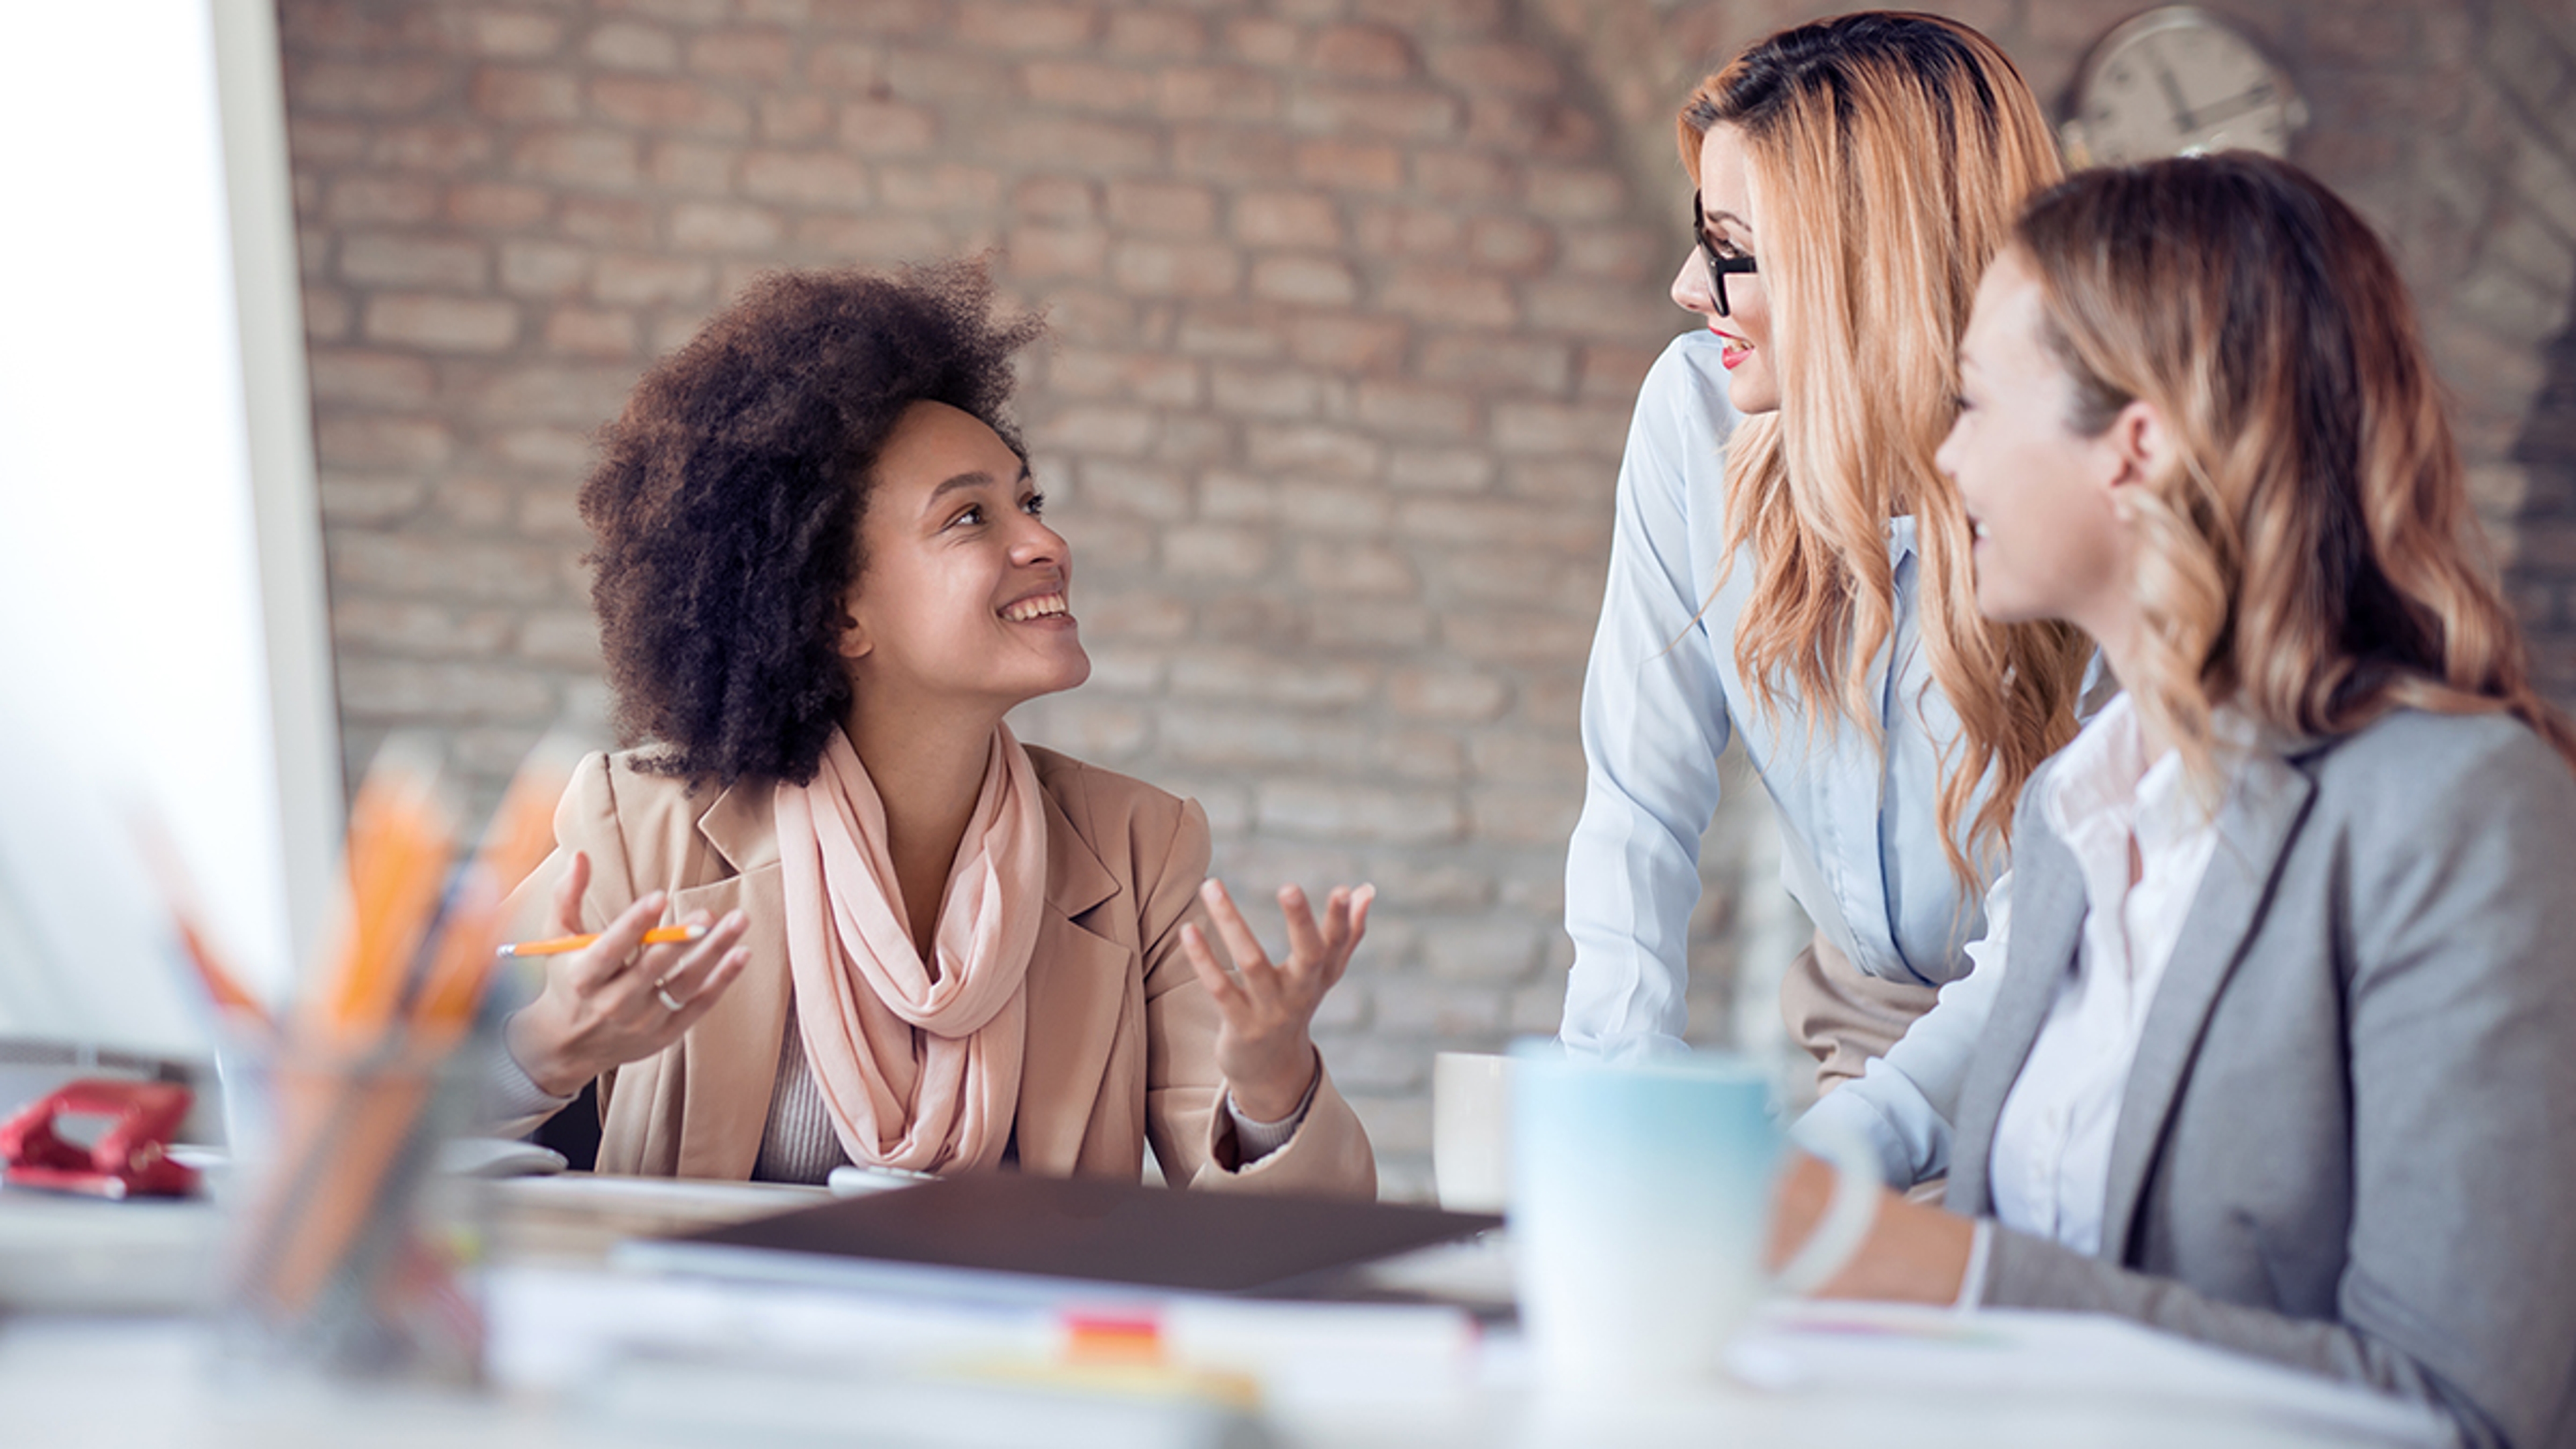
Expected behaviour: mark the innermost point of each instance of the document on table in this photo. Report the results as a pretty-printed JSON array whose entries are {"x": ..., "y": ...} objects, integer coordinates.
[{"x": 1807, "y": 1346}]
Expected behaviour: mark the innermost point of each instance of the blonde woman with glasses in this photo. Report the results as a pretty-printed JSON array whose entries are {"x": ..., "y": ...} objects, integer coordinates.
[
  {"x": 1799, "y": 579},
  {"x": 2278, "y": 1058}
]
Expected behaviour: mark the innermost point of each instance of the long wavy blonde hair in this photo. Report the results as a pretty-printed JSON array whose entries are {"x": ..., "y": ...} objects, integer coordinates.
[
  {"x": 2312, "y": 557},
  {"x": 1887, "y": 155}
]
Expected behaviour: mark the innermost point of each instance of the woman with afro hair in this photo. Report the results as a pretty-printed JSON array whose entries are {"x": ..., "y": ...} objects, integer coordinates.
[{"x": 822, "y": 580}]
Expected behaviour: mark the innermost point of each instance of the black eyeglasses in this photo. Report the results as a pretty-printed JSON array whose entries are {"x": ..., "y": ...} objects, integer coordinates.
[{"x": 1718, "y": 266}]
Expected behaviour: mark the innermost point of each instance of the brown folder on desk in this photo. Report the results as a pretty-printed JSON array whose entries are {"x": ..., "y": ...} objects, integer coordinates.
[{"x": 1006, "y": 1235}]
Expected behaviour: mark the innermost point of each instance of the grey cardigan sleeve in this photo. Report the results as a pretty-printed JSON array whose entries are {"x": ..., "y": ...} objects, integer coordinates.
[{"x": 2457, "y": 958}]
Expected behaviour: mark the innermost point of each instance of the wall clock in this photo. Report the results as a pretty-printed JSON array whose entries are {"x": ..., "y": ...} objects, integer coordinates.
[{"x": 2178, "y": 81}]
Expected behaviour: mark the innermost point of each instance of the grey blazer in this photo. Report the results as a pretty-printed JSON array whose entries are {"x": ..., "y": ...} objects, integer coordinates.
[{"x": 2348, "y": 1141}]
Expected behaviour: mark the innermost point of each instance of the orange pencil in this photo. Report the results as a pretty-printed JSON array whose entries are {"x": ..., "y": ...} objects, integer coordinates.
[{"x": 658, "y": 936}]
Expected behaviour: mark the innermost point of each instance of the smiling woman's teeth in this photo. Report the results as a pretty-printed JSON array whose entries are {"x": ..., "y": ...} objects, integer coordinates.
[{"x": 1037, "y": 608}]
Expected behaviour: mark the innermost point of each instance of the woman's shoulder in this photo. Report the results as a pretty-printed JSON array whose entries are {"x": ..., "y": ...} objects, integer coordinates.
[
  {"x": 1104, "y": 805},
  {"x": 618, "y": 806},
  {"x": 2413, "y": 764}
]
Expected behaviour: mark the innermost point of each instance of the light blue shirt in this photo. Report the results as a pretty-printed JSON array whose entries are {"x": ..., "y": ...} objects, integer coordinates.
[{"x": 1861, "y": 850}]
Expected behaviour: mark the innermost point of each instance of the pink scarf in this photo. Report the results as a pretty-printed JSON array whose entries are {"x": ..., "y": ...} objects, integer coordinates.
[{"x": 919, "y": 1070}]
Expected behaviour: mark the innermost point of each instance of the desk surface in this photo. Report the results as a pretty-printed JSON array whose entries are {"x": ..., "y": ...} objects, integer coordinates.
[{"x": 588, "y": 1356}]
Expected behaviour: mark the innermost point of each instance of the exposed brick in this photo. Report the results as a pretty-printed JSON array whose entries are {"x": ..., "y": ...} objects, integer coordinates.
[
  {"x": 1025, "y": 26},
  {"x": 1350, "y": 165},
  {"x": 806, "y": 178},
  {"x": 1229, "y": 155},
  {"x": 1141, "y": 377},
  {"x": 1516, "y": 364},
  {"x": 625, "y": 46},
  {"x": 543, "y": 269},
  {"x": 1434, "y": 17},
  {"x": 698, "y": 167},
  {"x": 327, "y": 314},
  {"x": 368, "y": 200},
  {"x": 795, "y": 116},
  {"x": 509, "y": 93},
  {"x": 398, "y": 690},
  {"x": 1412, "y": 231},
  {"x": 432, "y": 147},
  {"x": 586, "y": 158},
  {"x": 419, "y": 629},
  {"x": 947, "y": 187},
  {"x": 1318, "y": 810},
  {"x": 394, "y": 260},
  {"x": 1267, "y": 392},
  {"x": 409, "y": 444},
  {"x": 1056, "y": 198},
  {"x": 678, "y": 12},
  {"x": 1175, "y": 269},
  {"x": 1372, "y": 52},
  {"x": 1084, "y": 85},
  {"x": 1357, "y": 344},
  {"x": 497, "y": 205},
  {"x": 1314, "y": 281},
  {"x": 1406, "y": 115},
  {"x": 1441, "y": 470},
  {"x": 376, "y": 379},
  {"x": 657, "y": 104},
  {"x": 1162, "y": 208},
  {"x": 1512, "y": 247},
  {"x": 1449, "y": 296},
  {"x": 720, "y": 227},
  {"x": 1375, "y": 571},
  {"x": 441, "y": 324},
  {"x": 1575, "y": 194},
  {"x": 1117, "y": 431},
  {"x": 875, "y": 238},
  {"x": 1287, "y": 219},
  {"x": 644, "y": 280},
  {"x": 1417, "y": 410},
  {"x": 1443, "y": 175},
  {"x": 844, "y": 65},
  {"x": 1331, "y": 452},
  {"x": 1040, "y": 252},
  {"x": 1507, "y": 67},
  {"x": 369, "y": 88},
  {"x": 591, "y": 332},
  {"x": 1155, "y": 34},
  {"x": 608, "y": 221},
  {"x": 516, "y": 34},
  {"x": 887, "y": 128},
  {"x": 755, "y": 55}
]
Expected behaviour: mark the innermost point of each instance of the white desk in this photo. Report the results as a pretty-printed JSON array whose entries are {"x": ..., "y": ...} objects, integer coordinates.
[{"x": 688, "y": 1364}]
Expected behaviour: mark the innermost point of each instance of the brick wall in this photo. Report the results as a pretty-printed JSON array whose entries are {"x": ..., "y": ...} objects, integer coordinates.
[{"x": 1350, "y": 298}]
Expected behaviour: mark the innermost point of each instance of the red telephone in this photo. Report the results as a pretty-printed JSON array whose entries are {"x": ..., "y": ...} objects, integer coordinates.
[{"x": 130, "y": 1159}]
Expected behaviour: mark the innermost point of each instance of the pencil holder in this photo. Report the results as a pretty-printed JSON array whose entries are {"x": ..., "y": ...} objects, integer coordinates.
[{"x": 349, "y": 1250}]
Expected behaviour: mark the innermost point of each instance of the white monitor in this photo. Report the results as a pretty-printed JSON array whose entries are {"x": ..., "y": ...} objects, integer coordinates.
[{"x": 163, "y": 639}]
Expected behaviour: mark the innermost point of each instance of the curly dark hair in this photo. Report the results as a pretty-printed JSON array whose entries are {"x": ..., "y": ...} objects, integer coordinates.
[{"x": 725, "y": 510}]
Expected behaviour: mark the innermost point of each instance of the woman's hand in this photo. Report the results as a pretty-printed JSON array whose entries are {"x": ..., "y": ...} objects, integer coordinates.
[
  {"x": 1262, "y": 1045},
  {"x": 607, "y": 1004},
  {"x": 1913, "y": 1254}
]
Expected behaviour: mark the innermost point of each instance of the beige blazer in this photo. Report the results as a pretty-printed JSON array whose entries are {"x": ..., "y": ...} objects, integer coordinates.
[{"x": 1121, "y": 1035}]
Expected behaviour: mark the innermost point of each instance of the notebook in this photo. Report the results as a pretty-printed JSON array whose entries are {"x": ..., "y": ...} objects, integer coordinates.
[{"x": 1009, "y": 1237}]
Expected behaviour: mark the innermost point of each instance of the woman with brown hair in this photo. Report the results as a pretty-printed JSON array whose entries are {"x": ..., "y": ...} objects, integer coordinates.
[
  {"x": 2279, "y": 1058},
  {"x": 822, "y": 582},
  {"x": 1803, "y": 584}
]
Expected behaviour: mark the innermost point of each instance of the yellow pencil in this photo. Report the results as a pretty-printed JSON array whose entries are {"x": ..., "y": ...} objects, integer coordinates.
[{"x": 658, "y": 936}]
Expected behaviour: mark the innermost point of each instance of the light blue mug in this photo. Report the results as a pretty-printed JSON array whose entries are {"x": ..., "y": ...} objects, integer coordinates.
[{"x": 1640, "y": 1209}]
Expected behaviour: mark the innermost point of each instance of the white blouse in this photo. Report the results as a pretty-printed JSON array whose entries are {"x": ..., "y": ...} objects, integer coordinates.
[{"x": 2142, "y": 842}]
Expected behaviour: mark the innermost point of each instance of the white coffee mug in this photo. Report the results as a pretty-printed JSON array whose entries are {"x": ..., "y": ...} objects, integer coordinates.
[
  {"x": 1640, "y": 1211},
  {"x": 1471, "y": 1130}
]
